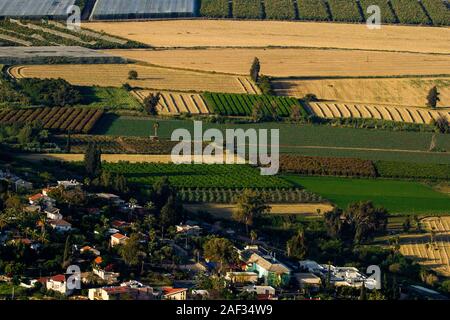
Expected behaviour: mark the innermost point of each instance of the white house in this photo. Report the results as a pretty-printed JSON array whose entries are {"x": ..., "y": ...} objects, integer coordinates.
[
  {"x": 53, "y": 213},
  {"x": 61, "y": 225},
  {"x": 57, "y": 283},
  {"x": 189, "y": 229},
  {"x": 69, "y": 184},
  {"x": 170, "y": 293},
  {"x": 123, "y": 293},
  {"x": 118, "y": 239},
  {"x": 108, "y": 276}
]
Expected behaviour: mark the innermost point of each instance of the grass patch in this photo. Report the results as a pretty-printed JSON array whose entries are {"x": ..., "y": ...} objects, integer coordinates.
[
  {"x": 398, "y": 197},
  {"x": 108, "y": 98}
]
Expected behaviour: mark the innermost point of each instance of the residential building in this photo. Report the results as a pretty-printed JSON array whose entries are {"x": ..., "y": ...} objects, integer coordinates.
[
  {"x": 262, "y": 292},
  {"x": 118, "y": 239},
  {"x": 308, "y": 280},
  {"x": 242, "y": 277},
  {"x": 53, "y": 213},
  {"x": 111, "y": 198},
  {"x": 108, "y": 276},
  {"x": 57, "y": 283},
  {"x": 69, "y": 184},
  {"x": 90, "y": 249},
  {"x": 123, "y": 293},
  {"x": 269, "y": 269},
  {"x": 61, "y": 225},
  {"x": 170, "y": 293},
  {"x": 189, "y": 229}
]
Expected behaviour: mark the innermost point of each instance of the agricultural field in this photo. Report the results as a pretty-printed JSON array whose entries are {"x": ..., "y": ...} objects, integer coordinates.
[
  {"x": 409, "y": 12},
  {"x": 215, "y": 8},
  {"x": 243, "y": 105},
  {"x": 110, "y": 158},
  {"x": 108, "y": 98},
  {"x": 435, "y": 253},
  {"x": 344, "y": 10},
  {"x": 115, "y": 145},
  {"x": 223, "y": 33},
  {"x": 398, "y": 197},
  {"x": 309, "y": 140},
  {"x": 280, "y": 9},
  {"x": 197, "y": 176},
  {"x": 389, "y": 113},
  {"x": 393, "y": 91},
  {"x": 76, "y": 120},
  {"x": 149, "y": 77},
  {"x": 312, "y": 10},
  {"x": 173, "y": 103},
  {"x": 395, "y": 169},
  {"x": 247, "y": 9},
  {"x": 51, "y": 33},
  {"x": 439, "y": 13},
  {"x": 286, "y": 62},
  {"x": 225, "y": 211}
]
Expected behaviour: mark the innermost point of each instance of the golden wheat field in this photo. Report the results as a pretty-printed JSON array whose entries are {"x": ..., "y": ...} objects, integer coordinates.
[
  {"x": 384, "y": 112},
  {"x": 149, "y": 77},
  {"x": 226, "y": 210},
  {"x": 220, "y": 33},
  {"x": 436, "y": 254},
  {"x": 295, "y": 62},
  {"x": 400, "y": 91},
  {"x": 176, "y": 103}
]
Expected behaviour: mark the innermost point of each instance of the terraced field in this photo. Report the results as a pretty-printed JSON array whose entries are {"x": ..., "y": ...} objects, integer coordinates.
[
  {"x": 383, "y": 112},
  {"x": 398, "y": 91},
  {"x": 294, "y": 62},
  {"x": 436, "y": 254},
  {"x": 172, "y": 103},
  {"x": 149, "y": 77}
]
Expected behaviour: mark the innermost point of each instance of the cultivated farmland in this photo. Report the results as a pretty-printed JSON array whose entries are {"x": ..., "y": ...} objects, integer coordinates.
[
  {"x": 390, "y": 113},
  {"x": 432, "y": 253},
  {"x": 400, "y": 91},
  {"x": 243, "y": 105},
  {"x": 197, "y": 176},
  {"x": 201, "y": 33},
  {"x": 59, "y": 119},
  {"x": 344, "y": 10},
  {"x": 150, "y": 77},
  {"x": 312, "y": 10},
  {"x": 172, "y": 103},
  {"x": 295, "y": 62},
  {"x": 398, "y": 197}
]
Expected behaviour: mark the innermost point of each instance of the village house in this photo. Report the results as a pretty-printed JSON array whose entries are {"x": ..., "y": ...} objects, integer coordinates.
[
  {"x": 60, "y": 225},
  {"x": 170, "y": 293},
  {"x": 53, "y": 213},
  {"x": 122, "y": 293},
  {"x": 41, "y": 200},
  {"x": 269, "y": 269},
  {"x": 308, "y": 280},
  {"x": 118, "y": 239},
  {"x": 189, "y": 230},
  {"x": 262, "y": 292},
  {"x": 108, "y": 276},
  {"x": 17, "y": 183},
  {"x": 56, "y": 283},
  {"x": 242, "y": 277},
  {"x": 69, "y": 184},
  {"x": 111, "y": 199}
]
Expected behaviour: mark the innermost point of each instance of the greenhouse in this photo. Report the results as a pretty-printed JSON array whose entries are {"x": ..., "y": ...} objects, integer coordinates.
[
  {"x": 35, "y": 9},
  {"x": 142, "y": 9}
]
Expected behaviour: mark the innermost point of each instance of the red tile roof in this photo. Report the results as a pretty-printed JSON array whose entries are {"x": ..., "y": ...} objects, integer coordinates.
[
  {"x": 119, "y": 236},
  {"x": 170, "y": 290},
  {"x": 36, "y": 197},
  {"x": 59, "y": 278}
]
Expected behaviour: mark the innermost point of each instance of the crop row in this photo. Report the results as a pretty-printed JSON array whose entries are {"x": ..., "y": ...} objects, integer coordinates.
[
  {"x": 220, "y": 195},
  {"x": 77, "y": 120},
  {"x": 393, "y": 169},
  {"x": 327, "y": 166},
  {"x": 197, "y": 176},
  {"x": 392, "y": 11},
  {"x": 116, "y": 145},
  {"x": 244, "y": 104}
]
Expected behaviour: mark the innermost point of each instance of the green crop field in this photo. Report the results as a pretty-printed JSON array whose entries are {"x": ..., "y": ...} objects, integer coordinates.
[
  {"x": 312, "y": 10},
  {"x": 108, "y": 98},
  {"x": 243, "y": 104},
  {"x": 409, "y": 12},
  {"x": 312, "y": 140},
  {"x": 438, "y": 11},
  {"x": 398, "y": 197},
  {"x": 197, "y": 176},
  {"x": 344, "y": 10}
]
